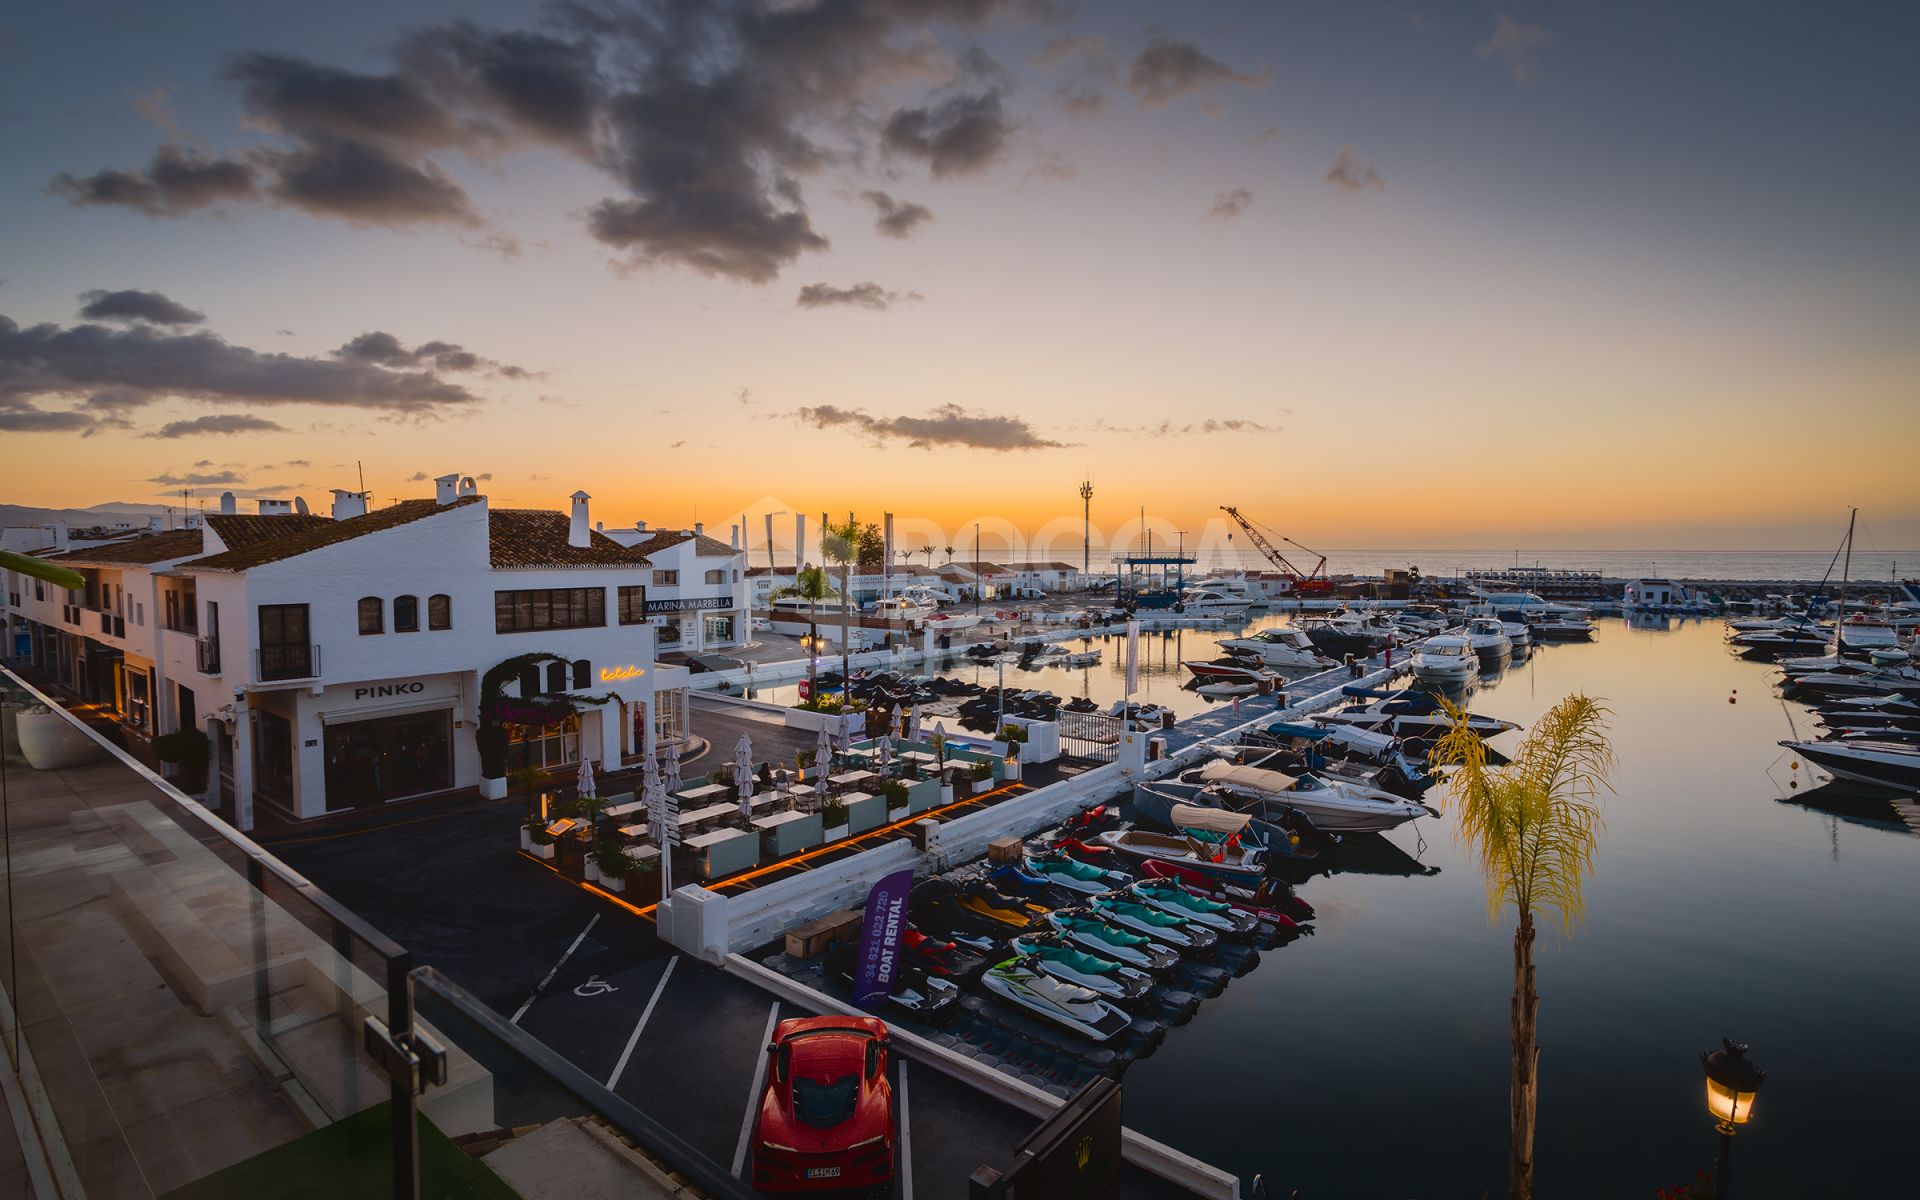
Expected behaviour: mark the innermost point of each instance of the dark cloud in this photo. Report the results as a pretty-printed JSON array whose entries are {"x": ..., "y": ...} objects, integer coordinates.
[
  {"x": 178, "y": 181},
  {"x": 957, "y": 136},
  {"x": 1172, "y": 428},
  {"x": 196, "y": 479},
  {"x": 365, "y": 184},
  {"x": 417, "y": 476},
  {"x": 132, "y": 305},
  {"x": 386, "y": 350},
  {"x": 896, "y": 218},
  {"x": 1228, "y": 205},
  {"x": 1518, "y": 44},
  {"x": 947, "y": 425},
  {"x": 19, "y": 416},
  {"x": 859, "y": 295},
  {"x": 1167, "y": 70},
  {"x": 217, "y": 423},
  {"x": 116, "y": 370},
  {"x": 539, "y": 86},
  {"x": 1350, "y": 174}
]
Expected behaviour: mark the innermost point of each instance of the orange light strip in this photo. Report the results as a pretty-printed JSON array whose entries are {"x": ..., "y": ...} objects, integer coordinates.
[{"x": 584, "y": 886}]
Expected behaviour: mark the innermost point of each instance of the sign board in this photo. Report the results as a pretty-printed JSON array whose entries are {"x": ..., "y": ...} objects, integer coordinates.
[
  {"x": 663, "y": 820},
  {"x": 689, "y": 603},
  {"x": 1075, "y": 1153},
  {"x": 880, "y": 935}
]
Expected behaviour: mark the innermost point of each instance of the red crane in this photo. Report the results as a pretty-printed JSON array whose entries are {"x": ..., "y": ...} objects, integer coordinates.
[{"x": 1307, "y": 583}]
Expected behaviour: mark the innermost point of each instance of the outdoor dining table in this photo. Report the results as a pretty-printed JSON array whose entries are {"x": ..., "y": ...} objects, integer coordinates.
[
  {"x": 850, "y": 777},
  {"x": 631, "y": 806},
  {"x": 634, "y": 831},
  {"x": 705, "y": 791},
  {"x": 701, "y": 816},
  {"x": 919, "y": 756}
]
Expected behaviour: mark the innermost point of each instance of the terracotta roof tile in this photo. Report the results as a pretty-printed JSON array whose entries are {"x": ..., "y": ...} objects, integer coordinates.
[
  {"x": 139, "y": 551},
  {"x": 299, "y": 535},
  {"x": 531, "y": 537},
  {"x": 238, "y": 530},
  {"x": 708, "y": 547}
]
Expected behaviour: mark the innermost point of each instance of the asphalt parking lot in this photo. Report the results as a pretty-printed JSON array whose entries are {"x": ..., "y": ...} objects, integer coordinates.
[{"x": 680, "y": 1040}]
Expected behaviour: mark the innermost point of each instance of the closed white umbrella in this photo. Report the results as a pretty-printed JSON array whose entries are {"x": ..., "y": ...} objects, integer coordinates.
[
  {"x": 913, "y": 724},
  {"x": 940, "y": 742},
  {"x": 673, "y": 766},
  {"x": 663, "y": 822},
  {"x": 885, "y": 748},
  {"x": 822, "y": 756},
  {"x": 589, "y": 788},
  {"x": 896, "y": 725},
  {"x": 650, "y": 778},
  {"x": 743, "y": 774}
]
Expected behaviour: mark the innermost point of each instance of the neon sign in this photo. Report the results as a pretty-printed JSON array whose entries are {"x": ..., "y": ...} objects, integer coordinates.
[{"x": 610, "y": 674}]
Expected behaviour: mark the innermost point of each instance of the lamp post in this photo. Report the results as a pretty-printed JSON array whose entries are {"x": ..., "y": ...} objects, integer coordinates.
[{"x": 1732, "y": 1083}]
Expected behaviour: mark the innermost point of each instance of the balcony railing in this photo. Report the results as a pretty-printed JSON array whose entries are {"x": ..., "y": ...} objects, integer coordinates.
[
  {"x": 294, "y": 660},
  {"x": 206, "y": 653}
]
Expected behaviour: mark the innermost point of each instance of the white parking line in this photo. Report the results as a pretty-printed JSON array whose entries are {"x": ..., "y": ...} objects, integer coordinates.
[
  {"x": 904, "y": 1171},
  {"x": 542, "y": 986},
  {"x": 753, "y": 1097},
  {"x": 642, "y": 1023}
]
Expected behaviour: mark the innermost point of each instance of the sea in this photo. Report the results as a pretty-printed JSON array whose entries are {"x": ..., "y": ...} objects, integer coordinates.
[{"x": 1732, "y": 565}]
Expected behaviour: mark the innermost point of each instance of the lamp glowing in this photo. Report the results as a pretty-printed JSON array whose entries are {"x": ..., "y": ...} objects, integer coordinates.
[{"x": 1732, "y": 1083}]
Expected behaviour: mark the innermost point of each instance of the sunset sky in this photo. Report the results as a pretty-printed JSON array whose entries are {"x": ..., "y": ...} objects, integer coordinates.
[{"x": 1380, "y": 274}]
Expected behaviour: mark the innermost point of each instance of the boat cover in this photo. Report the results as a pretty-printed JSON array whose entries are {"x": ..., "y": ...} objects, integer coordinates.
[
  {"x": 1257, "y": 778},
  {"x": 1214, "y": 820}
]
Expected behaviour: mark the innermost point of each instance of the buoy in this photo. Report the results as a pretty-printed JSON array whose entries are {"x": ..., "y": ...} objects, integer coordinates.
[
  {"x": 1733, "y": 699},
  {"x": 1793, "y": 784},
  {"x": 1793, "y": 766}
]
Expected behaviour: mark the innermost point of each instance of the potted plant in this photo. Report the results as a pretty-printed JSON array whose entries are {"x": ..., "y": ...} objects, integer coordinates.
[
  {"x": 611, "y": 864},
  {"x": 982, "y": 775},
  {"x": 526, "y": 781},
  {"x": 834, "y": 816},
  {"x": 896, "y": 793},
  {"x": 535, "y": 838},
  {"x": 946, "y": 788},
  {"x": 188, "y": 749}
]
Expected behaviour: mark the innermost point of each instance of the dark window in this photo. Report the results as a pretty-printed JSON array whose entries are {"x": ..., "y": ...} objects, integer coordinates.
[
  {"x": 549, "y": 608},
  {"x": 582, "y": 673},
  {"x": 406, "y": 614},
  {"x": 824, "y": 1105},
  {"x": 440, "y": 612},
  {"x": 556, "y": 677},
  {"x": 633, "y": 605},
  {"x": 372, "y": 614},
  {"x": 529, "y": 682},
  {"x": 285, "y": 652}
]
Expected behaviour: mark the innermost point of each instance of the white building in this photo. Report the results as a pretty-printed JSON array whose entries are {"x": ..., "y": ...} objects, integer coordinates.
[
  {"x": 338, "y": 662},
  {"x": 697, "y": 595}
]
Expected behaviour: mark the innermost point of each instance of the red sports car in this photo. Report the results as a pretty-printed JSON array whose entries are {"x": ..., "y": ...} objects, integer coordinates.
[{"x": 826, "y": 1118}]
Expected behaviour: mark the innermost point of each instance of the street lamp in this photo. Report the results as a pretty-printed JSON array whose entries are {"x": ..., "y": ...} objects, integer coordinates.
[{"x": 1732, "y": 1083}]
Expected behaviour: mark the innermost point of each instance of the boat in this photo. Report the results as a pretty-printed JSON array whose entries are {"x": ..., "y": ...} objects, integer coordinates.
[
  {"x": 1063, "y": 870},
  {"x": 1065, "y": 1004},
  {"x": 1414, "y": 717},
  {"x": 1081, "y": 927},
  {"x": 1225, "y": 690},
  {"x": 1519, "y": 636},
  {"x": 1292, "y": 843},
  {"x": 1240, "y": 862},
  {"x": 1054, "y": 955},
  {"x": 900, "y": 608},
  {"x": 1170, "y": 897},
  {"x": 1887, "y": 764},
  {"x": 1332, "y": 807},
  {"x": 1082, "y": 658},
  {"x": 1447, "y": 659},
  {"x": 1273, "y": 899},
  {"x": 1343, "y": 633},
  {"x": 1341, "y": 749},
  {"x": 1285, "y": 647},
  {"x": 947, "y": 622},
  {"x": 1488, "y": 637},
  {"x": 1181, "y": 933},
  {"x": 1207, "y": 601},
  {"x": 1234, "y": 670}
]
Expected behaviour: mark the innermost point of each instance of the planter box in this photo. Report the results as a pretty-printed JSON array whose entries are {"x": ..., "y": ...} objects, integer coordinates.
[
  {"x": 545, "y": 851},
  {"x": 49, "y": 743},
  {"x": 946, "y": 794},
  {"x": 526, "y": 838},
  {"x": 1012, "y": 770},
  {"x": 869, "y": 813},
  {"x": 593, "y": 870},
  {"x": 615, "y": 885},
  {"x": 493, "y": 789},
  {"x": 982, "y": 785},
  {"x": 923, "y": 795},
  {"x": 835, "y": 834}
]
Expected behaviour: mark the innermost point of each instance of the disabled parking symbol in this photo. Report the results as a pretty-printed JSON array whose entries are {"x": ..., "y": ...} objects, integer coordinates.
[{"x": 594, "y": 986}]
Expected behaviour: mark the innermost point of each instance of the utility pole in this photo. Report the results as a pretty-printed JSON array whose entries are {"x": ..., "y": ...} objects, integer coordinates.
[
  {"x": 1086, "y": 530},
  {"x": 977, "y": 584}
]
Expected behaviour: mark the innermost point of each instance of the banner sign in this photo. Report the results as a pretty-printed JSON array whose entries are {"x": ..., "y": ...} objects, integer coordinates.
[
  {"x": 880, "y": 935},
  {"x": 1133, "y": 657}
]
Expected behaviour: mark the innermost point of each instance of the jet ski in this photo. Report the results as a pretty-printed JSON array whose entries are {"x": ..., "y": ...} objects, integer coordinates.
[
  {"x": 1179, "y": 932},
  {"x": 989, "y": 901},
  {"x": 980, "y": 922},
  {"x": 1170, "y": 897},
  {"x": 1052, "y": 954},
  {"x": 1088, "y": 931},
  {"x": 1089, "y": 821},
  {"x": 1093, "y": 854},
  {"x": 938, "y": 956},
  {"x": 1273, "y": 899},
  {"x": 915, "y": 990},
  {"x": 1065, "y": 1004},
  {"x": 1063, "y": 870}
]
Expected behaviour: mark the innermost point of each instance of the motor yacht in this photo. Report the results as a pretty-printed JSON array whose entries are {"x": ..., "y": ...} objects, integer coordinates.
[
  {"x": 1887, "y": 764},
  {"x": 1488, "y": 637},
  {"x": 1211, "y": 602},
  {"x": 1284, "y": 647},
  {"x": 1335, "y": 807},
  {"x": 946, "y": 622},
  {"x": 900, "y": 608},
  {"x": 1447, "y": 659}
]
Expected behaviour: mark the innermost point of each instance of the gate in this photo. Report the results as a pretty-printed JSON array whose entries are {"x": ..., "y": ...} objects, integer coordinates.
[{"x": 1090, "y": 737}]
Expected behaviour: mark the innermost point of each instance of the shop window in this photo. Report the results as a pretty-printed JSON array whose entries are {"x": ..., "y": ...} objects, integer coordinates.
[
  {"x": 670, "y": 717},
  {"x": 719, "y": 629},
  {"x": 556, "y": 677},
  {"x": 372, "y": 615},
  {"x": 582, "y": 673},
  {"x": 666, "y": 579},
  {"x": 549, "y": 608},
  {"x": 668, "y": 634},
  {"x": 440, "y": 611},
  {"x": 406, "y": 614},
  {"x": 544, "y": 748}
]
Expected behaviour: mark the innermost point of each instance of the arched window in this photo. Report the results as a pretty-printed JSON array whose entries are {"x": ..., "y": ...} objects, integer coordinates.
[
  {"x": 529, "y": 682},
  {"x": 372, "y": 610},
  {"x": 556, "y": 677},
  {"x": 406, "y": 614},
  {"x": 717, "y": 575},
  {"x": 582, "y": 673},
  {"x": 440, "y": 611}
]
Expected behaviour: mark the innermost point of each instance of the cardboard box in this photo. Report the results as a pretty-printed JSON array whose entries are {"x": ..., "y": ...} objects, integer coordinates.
[
  {"x": 810, "y": 938},
  {"x": 1006, "y": 850}
]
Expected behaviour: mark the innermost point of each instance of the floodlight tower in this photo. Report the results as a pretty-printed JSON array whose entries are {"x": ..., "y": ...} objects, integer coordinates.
[{"x": 1086, "y": 531}]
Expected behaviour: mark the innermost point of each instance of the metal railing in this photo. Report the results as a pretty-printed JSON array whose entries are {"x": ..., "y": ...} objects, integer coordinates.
[
  {"x": 292, "y": 660},
  {"x": 206, "y": 654}
]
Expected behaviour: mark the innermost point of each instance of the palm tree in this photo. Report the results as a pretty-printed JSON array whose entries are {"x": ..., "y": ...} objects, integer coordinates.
[
  {"x": 1535, "y": 825},
  {"x": 928, "y": 551},
  {"x": 810, "y": 584},
  {"x": 840, "y": 544},
  {"x": 949, "y": 555}
]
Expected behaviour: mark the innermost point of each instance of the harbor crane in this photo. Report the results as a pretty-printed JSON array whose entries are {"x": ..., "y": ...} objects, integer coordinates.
[{"x": 1307, "y": 583}]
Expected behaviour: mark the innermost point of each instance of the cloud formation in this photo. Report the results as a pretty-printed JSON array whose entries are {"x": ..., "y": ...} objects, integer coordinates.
[
  {"x": 1172, "y": 428},
  {"x": 859, "y": 295},
  {"x": 130, "y": 304},
  {"x": 947, "y": 425},
  {"x": 217, "y": 423},
  {"x": 1350, "y": 174},
  {"x": 384, "y": 349},
  {"x": 1228, "y": 205},
  {"x": 197, "y": 479},
  {"x": 1168, "y": 69},
  {"x": 178, "y": 181},
  {"x": 1518, "y": 44},
  {"x": 896, "y": 218},
  {"x": 957, "y": 136}
]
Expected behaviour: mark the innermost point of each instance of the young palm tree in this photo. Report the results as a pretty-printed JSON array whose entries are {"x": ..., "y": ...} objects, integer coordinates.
[
  {"x": 841, "y": 546},
  {"x": 949, "y": 555},
  {"x": 1535, "y": 825},
  {"x": 811, "y": 585},
  {"x": 928, "y": 551}
]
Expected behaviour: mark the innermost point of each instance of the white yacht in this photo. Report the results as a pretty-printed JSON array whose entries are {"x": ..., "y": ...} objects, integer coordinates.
[
  {"x": 1211, "y": 602},
  {"x": 1237, "y": 589},
  {"x": 1519, "y": 636},
  {"x": 900, "y": 608},
  {"x": 1449, "y": 658},
  {"x": 1488, "y": 637},
  {"x": 1287, "y": 647}
]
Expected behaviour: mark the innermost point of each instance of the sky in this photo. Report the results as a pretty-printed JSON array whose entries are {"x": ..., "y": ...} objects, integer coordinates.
[{"x": 1568, "y": 275}]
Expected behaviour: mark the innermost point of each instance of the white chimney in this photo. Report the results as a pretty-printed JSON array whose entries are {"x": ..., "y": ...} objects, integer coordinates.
[
  {"x": 276, "y": 508},
  {"x": 699, "y": 528},
  {"x": 347, "y": 505},
  {"x": 228, "y": 505},
  {"x": 446, "y": 488},
  {"x": 640, "y": 526},
  {"x": 734, "y": 541},
  {"x": 60, "y": 536},
  {"x": 599, "y": 526},
  {"x": 580, "y": 532}
]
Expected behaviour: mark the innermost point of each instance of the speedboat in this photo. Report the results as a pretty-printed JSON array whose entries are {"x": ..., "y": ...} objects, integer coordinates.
[
  {"x": 1285, "y": 647},
  {"x": 1412, "y": 716},
  {"x": 1339, "y": 748},
  {"x": 1052, "y": 954},
  {"x": 1343, "y": 633},
  {"x": 1332, "y": 807},
  {"x": 1225, "y": 690},
  {"x": 1168, "y": 896},
  {"x": 1208, "y": 814},
  {"x": 1231, "y": 670},
  {"x": 1082, "y": 928},
  {"x": 1211, "y": 602},
  {"x": 1887, "y": 764},
  {"x": 1447, "y": 659},
  {"x": 1181, "y": 933},
  {"x": 900, "y": 608},
  {"x": 1066, "y": 1004},
  {"x": 948, "y": 622},
  {"x": 1488, "y": 637},
  {"x": 1228, "y": 862},
  {"x": 1519, "y": 636},
  {"x": 1551, "y": 627}
]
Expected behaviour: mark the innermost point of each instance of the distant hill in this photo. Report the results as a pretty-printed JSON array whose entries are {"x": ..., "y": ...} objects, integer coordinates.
[{"x": 112, "y": 513}]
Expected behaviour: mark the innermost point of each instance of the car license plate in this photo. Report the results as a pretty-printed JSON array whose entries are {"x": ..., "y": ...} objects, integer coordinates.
[{"x": 823, "y": 1172}]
